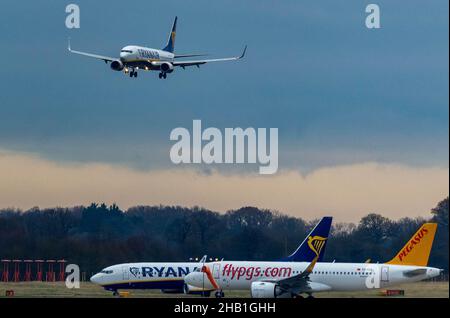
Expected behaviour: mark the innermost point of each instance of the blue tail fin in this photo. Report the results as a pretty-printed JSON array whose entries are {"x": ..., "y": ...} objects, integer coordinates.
[
  {"x": 314, "y": 244},
  {"x": 170, "y": 47}
]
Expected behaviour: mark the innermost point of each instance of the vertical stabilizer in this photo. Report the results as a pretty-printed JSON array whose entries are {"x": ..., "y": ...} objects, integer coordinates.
[
  {"x": 170, "y": 47},
  {"x": 417, "y": 250},
  {"x": 314, "y": 244}
]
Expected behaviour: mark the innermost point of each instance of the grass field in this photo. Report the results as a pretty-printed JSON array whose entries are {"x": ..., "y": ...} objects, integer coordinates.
[{"x": 56, "y": 290}]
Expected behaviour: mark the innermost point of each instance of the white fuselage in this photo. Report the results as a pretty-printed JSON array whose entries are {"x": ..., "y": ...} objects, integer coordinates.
[
  {"x": 325, "y": 276},
  {"x": 140, "y": 57},
  {"x": 165, "y": 276}
]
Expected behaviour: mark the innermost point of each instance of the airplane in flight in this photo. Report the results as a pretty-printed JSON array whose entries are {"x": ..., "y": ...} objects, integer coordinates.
[
  {"x": 169, "y": 277},
  {"x": 293, "y": 280},
  {"x": 133, "y": 58}
]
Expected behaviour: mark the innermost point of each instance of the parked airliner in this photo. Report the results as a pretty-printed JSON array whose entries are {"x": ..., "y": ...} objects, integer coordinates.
[
  {"x": 169, "y": 277},
  {"x": 287, "y": 279},
  {"x": 133, "y": 58}
]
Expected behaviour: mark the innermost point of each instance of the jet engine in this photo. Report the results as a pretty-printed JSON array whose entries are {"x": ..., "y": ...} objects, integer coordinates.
[
  {"x": 267, "y": 290},
  {"x": 117, "y": 65},
  {"x": 167, "y": 67}
]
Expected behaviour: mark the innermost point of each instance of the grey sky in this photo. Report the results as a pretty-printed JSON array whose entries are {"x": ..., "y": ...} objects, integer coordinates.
[{"x": 338, "y": 92}]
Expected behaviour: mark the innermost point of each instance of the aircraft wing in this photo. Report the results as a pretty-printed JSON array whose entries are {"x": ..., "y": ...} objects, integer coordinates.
[
  {"x": 301, "y": 283},
  {"x": 95, "y": 56},
  {"x": 178, "y": 56},
  {"x": 197, "y": 63}
]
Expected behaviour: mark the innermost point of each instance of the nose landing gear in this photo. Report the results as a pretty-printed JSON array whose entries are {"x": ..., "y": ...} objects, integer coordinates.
[{"x": 132, "y": 73}]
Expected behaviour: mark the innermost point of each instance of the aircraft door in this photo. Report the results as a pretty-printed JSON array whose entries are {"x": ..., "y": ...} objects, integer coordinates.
[
  {"x": 216, "y": 271},
  {"x": 384, "y": 274},
  {"x": 125, "y": 273}
]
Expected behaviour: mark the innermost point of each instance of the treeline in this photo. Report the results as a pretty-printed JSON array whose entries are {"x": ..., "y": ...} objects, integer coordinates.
[{"x": 98, "y": 235}]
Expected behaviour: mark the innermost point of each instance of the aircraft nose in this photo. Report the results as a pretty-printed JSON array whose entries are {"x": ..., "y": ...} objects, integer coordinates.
[
  {"x": 95, "y": 279},
  {"x": 433, "y": 272},
  {"x": 189, "y": 279}
]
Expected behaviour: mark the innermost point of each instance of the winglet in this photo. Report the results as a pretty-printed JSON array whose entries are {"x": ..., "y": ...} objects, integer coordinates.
[
  {"x": 243, "y": 53},
  {"x": 68, "y": 45},
  {"x": 203, "y": 260}
]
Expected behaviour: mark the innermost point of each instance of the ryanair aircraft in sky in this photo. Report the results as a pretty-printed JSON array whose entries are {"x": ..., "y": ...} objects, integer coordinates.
[{"x": 134, "y": 58}]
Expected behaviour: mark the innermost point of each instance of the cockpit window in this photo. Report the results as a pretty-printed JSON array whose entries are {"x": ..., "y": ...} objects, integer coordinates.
[
  {"x": 126, "y": 51},
  {"x": 106, "y": 271}
]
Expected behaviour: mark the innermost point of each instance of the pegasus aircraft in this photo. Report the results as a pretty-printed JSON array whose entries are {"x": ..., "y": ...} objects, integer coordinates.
[{"x": 295, "y": 279}]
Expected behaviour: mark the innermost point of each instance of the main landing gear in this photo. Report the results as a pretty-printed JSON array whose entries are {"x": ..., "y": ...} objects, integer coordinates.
[
  {"x": 162, "y": 75},
  {"x": 133, "y": 72}
]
